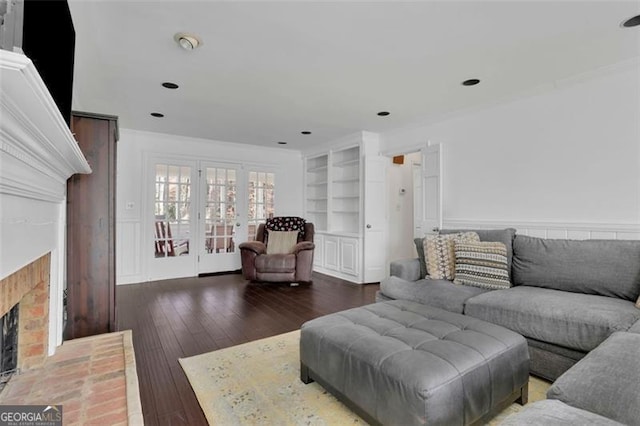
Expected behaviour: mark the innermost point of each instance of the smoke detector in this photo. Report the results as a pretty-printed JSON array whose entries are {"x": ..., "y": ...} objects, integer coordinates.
[{"x": 187, "y": 41}]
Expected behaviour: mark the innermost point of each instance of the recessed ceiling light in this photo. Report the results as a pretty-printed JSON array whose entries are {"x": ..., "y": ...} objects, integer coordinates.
[
  {"x": 305, "y": 132},
  {"x": 632, "y": 22},
  {"x": 282, "y": 143},
  {"x": 187, "y": 41},
  {"x": 471, "y": 82},
  {"x": 157, "y": 114},
  {"x": 170, "y": 85},
  {"x": 383, "y": 113}
]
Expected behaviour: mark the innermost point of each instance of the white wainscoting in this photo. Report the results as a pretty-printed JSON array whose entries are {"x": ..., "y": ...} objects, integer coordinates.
[
  {"x": 556, "y": 230},
  {"x": 128, "y": 262}
]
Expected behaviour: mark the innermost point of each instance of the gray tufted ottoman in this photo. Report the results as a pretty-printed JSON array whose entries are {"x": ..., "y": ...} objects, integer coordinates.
[{"x": 404, "y": 363}]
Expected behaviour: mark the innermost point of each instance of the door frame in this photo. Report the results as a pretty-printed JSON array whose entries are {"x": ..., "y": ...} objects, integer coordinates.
[
  {"x": 418, "y": 222},
  {"x": 432, "y": 156},
  {"x": 146, "y": 236},
  {"x": 226, "y": 261},
  {"x": 148, "y": 209}
]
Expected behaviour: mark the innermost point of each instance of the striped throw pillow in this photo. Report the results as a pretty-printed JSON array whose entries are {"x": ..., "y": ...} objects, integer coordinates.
[
  {"x": 439, "y": 251},
  {"x": 482, "y": 264}
]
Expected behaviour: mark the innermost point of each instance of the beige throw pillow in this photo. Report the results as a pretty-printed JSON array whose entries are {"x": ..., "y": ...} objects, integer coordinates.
[
  {"x": 281, "y": 242},
  {"x": 482, "y": 265},
  {"x": 440, "y": 253}
]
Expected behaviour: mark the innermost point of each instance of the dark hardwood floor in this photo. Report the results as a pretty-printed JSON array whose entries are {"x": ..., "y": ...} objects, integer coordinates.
[{"x": 179, "y": 318}]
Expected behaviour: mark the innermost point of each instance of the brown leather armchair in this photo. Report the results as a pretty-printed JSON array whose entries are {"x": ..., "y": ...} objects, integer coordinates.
[{"x": 297, "y": 266}]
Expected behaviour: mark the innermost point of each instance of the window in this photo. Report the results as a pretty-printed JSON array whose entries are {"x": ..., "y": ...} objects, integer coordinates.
[
  {"x": 172, "y": 210},
  {"x": 220, "y": 210},
  {"x": 261, "y": 200}
]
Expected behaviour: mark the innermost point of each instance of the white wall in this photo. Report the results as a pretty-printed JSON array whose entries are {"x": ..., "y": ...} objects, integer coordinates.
[
  {"x": 400, "y": 208},
  {"x": 567, "y": 155},
  {"x": 134, "y": 145}
]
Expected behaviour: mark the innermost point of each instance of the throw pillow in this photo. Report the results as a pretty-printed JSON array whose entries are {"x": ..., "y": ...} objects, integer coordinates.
[
  {"x": 482, "y": 264},
  {"x": 419, "y": 242},
  {"x": 282, "y": 242},
  {"x": 440, "y": 253}
]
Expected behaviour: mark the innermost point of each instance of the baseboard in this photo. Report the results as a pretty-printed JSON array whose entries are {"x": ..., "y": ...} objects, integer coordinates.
[{"x": 215, "y": 274}]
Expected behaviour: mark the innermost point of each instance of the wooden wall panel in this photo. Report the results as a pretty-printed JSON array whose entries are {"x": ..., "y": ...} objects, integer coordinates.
[{"x": 91, "y": 230}]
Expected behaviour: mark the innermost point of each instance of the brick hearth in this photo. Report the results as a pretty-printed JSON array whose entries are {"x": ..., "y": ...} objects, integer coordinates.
[{"x": 93, "y": 378}]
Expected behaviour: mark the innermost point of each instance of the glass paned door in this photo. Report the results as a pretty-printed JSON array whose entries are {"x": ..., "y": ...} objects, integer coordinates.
[
  {"x": 219, "y": 218},
  {"x": 173, "y": 222}
]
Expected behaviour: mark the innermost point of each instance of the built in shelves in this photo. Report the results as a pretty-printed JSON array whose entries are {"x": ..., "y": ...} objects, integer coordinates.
[{"x": 333, "y": 190}]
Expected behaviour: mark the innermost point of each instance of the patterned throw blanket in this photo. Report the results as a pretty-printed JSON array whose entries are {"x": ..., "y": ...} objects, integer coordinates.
[{"x": 285, "y": 223}]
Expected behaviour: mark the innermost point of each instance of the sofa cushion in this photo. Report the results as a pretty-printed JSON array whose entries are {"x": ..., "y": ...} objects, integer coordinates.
[
  {"x": 635, "y": 328},
  {"x": 504, "y": 236},
  {"x": 602, "y": 267},
  {"x": 482, "y": 264},
  {"x": 606, "y": 381},
  {"x": 551, "y": 412},
  {"x": 576, "y": 321},
  {"x": 439, "y": 251},
  {"x": 276, "y": 263},
  {"x": 437, "y": 293}
]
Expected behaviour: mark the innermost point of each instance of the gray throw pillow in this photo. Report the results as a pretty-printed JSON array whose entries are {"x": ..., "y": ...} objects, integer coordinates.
[{"x": 419, "y": 242}]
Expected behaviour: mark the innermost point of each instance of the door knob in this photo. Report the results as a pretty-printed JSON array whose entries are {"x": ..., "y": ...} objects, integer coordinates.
[
  {"x": 238, "y": 224},
  {"x": 368, "y": 226}
]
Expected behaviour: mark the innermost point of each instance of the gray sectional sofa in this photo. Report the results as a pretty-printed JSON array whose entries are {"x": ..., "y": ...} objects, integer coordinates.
[
  {"x": 603, "y": 388},
  {"x": 567, "y": 297}
]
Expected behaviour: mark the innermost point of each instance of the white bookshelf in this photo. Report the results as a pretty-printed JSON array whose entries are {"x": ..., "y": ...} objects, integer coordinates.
[
  {"x": 345, "y": 183},
  {"x": 334, "y": 198},
  {"x": 317, "y": 183}
]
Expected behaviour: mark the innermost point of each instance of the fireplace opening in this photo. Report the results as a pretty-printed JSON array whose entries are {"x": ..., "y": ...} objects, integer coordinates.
[{"x": 8, "y": 345}]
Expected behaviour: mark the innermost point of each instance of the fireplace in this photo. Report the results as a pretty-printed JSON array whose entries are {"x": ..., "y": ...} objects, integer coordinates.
[
  {"x": 27, "y": 289},
  {"x": 38, "y": 154},
  {"x": 8, "y": 344}
]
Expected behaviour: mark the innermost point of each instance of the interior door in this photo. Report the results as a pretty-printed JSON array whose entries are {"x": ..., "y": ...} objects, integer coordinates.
[
  {"x": 174, "y": 227},
  {"x": 220, "y": 222},
  {"x": 374, "y": 253},
  {"x": 432, "y": 188}
]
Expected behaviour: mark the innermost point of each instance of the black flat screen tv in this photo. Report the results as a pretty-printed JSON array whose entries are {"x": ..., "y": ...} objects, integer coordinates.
[{"x": 49, "y": 40}]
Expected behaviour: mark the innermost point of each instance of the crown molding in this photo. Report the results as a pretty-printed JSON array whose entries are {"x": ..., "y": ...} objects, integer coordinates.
[{"x": 37, "y": 150}]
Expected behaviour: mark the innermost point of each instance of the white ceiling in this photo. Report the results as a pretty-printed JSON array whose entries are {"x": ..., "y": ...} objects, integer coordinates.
[{"x": 268, "y": 70}]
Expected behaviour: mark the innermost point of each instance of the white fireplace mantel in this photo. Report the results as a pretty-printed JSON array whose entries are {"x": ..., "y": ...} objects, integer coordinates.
[
  {"x": 38, "y": 151},
  {"x": 38, "y": 154}
]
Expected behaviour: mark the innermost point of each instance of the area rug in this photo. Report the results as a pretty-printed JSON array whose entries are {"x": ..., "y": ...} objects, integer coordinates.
[{"x": 258, "y": 383}]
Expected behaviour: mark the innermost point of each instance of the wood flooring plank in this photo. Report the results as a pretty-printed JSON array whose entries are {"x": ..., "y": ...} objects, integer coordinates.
[{"x": 177, "y": 318}]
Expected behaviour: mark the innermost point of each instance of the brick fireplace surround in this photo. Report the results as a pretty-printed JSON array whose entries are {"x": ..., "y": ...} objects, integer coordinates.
[
  {"x": 29, "y": 287},
  {"x": 94, "y": 378}
]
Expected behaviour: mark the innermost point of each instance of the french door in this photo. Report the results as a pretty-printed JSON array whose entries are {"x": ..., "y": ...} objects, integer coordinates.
[
  {"x": 222, "y": 227},
  {"x": 201, "y": 211},
  {"x": 174, "y": 218}
]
